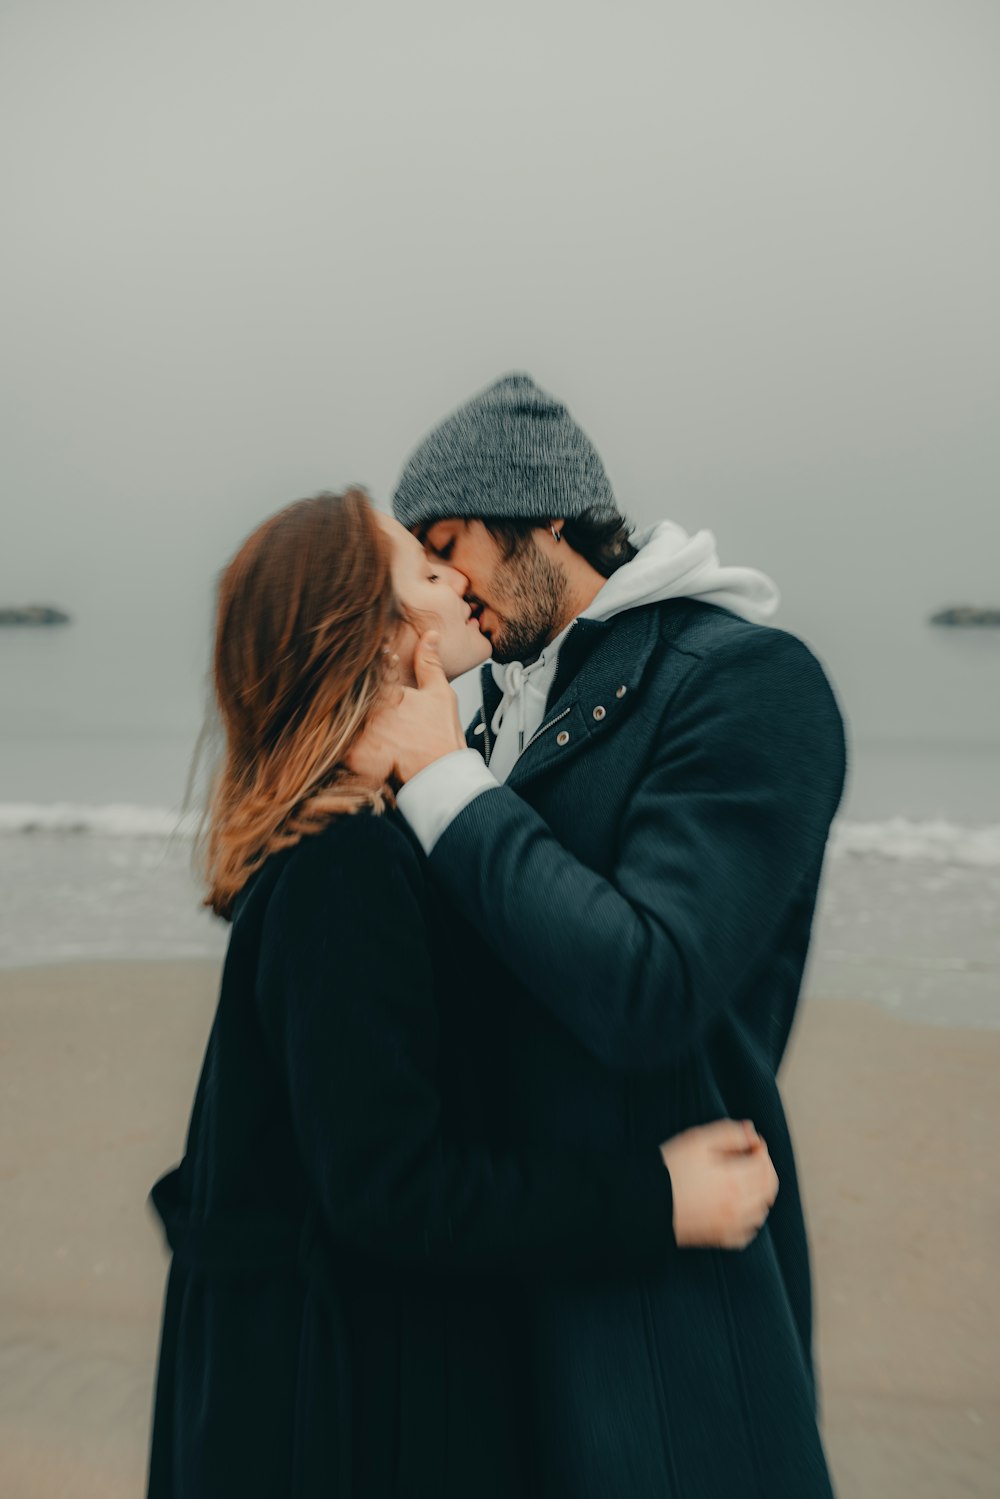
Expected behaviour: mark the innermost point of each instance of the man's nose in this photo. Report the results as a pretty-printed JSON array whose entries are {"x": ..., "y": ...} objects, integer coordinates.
[{"x": 458, "y": 581}]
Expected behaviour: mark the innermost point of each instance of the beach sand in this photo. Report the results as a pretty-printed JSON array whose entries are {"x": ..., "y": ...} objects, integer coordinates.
[{"x": 895, "y": 1123}]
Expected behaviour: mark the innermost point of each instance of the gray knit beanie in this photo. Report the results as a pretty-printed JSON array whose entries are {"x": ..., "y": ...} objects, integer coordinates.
[{"x": 512, "y": 452}]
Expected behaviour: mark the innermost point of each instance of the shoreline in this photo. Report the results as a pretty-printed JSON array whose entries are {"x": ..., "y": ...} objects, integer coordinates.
[
  {"x": 893, "y": 1127},
  {"x": 918, "y": 936}
]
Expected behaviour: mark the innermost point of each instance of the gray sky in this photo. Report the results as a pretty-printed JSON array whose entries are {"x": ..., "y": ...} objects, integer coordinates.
[{"x": 256, "y": 249}]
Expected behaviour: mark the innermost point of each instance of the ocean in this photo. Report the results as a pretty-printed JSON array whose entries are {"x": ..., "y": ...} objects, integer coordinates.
[
  {"x": 908, "y": 917},
  {"x": 96, "y": 860}
]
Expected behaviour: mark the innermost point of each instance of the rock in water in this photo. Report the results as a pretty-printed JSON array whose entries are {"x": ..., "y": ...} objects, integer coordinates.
[
  {"x": 965, "y": 615},
  {"x": 33, "y": 614}
]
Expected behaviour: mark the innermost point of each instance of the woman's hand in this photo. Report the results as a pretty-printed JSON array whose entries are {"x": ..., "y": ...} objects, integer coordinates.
[{"x": 723, "y": 1184}]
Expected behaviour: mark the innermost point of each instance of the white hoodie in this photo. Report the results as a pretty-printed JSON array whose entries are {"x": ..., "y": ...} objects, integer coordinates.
[{"x": 670, "y": 565}]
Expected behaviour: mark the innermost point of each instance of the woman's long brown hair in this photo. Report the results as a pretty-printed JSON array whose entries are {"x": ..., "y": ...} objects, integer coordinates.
[{"x": 305, "y": 609}]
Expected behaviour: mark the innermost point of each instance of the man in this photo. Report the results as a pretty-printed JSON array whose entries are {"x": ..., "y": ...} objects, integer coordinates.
[{"x": 635, "y": 828}]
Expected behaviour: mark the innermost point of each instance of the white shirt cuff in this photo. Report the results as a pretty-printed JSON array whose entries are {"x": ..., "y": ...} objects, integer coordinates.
[{"x": 435, "y": 796}]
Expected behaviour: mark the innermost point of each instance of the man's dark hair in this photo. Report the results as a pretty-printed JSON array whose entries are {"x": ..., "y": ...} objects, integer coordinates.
[{"x": 600, "y": 538}]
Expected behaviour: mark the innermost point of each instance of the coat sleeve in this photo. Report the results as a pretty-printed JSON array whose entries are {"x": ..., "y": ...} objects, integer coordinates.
[
  {"x": 727, "y": 824},
  {"x": 346, "y": 981}
]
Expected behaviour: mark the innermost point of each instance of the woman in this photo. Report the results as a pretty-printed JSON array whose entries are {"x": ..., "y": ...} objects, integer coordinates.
[{"x": 347, "y": 1229}]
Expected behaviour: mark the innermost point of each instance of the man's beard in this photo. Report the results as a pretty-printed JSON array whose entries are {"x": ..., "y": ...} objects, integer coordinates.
[{"x": 534, "y": 600}]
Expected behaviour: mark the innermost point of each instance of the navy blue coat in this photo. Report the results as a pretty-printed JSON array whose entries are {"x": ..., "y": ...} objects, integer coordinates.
[
  {"x": 336, "y": 1320},
  {"x": 648, "y": 875}
]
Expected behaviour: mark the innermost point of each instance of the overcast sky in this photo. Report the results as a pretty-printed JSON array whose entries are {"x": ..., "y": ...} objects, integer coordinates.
[{"x": 251, "y": 250}]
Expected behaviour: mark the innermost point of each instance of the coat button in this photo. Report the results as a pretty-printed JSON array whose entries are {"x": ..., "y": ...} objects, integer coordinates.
[
  {"x": 562, "y": 737},
  {"x": 621, "y": 691},
  {"x": 600, "y": 713},
  {"x": 479, "y": 729}
]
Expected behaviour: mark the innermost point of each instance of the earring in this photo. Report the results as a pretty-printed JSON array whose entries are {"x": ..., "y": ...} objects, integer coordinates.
[{"x": 556, "y": 535}]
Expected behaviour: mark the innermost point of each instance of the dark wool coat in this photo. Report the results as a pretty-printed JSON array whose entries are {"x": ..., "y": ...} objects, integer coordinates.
[
  {"x": 648, "y": 874},
  {"x": 335, "y": 1320}
]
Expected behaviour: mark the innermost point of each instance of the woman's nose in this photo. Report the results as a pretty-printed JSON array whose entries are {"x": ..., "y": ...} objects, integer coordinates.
[{"x": 458, "y": 581}]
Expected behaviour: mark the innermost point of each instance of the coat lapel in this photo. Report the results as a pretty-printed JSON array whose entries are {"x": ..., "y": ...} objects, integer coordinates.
[
  {"x": 594, "y": 687},
  {"x": 479, "y": 735}
]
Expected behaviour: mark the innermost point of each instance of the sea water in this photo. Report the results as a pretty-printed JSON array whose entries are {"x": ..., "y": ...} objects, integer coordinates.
[
  {"x": 908, "y": 917},
  {"x": 96, "y": 862}
]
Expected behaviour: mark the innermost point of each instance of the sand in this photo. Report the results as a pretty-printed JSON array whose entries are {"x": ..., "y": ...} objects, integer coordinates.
[{"x": 896, "y": 1125}]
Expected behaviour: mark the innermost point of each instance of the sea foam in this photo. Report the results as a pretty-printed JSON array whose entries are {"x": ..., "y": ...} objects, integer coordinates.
[
  {"x": 937, "y": 842},
  {"x": 114, "y": 820}
]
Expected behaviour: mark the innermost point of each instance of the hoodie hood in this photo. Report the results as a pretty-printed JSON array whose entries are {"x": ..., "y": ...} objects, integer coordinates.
[
  {"x": 673, "y": 565},
  {"x": 670, "y": 565}
]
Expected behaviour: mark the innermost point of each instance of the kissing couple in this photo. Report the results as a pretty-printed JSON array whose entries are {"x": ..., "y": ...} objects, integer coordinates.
[{"x": 480, "y": 1191}]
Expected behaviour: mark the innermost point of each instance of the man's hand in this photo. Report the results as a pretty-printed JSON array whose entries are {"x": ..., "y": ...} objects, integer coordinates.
[
  {"x": 420, "y": 728},
  {"x": 723, "y": 1182}
]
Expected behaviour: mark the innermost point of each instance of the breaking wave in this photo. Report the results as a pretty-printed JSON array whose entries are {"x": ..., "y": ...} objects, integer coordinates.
[
  {"x": 115, "y": 820},
  {"x": 938, "y": 842}
]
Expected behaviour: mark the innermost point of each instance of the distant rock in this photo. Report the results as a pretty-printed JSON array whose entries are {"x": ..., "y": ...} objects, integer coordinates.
[
  {"x": 965, "y": 615},
  {"x": 33, "y": 614}
]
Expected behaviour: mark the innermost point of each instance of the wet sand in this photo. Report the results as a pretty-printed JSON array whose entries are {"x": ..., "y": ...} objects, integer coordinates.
[{"x": 896, "y": 1126}]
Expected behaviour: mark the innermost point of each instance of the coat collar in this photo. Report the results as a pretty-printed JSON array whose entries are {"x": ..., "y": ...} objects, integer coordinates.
[{"x": 601, "y": 665}]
